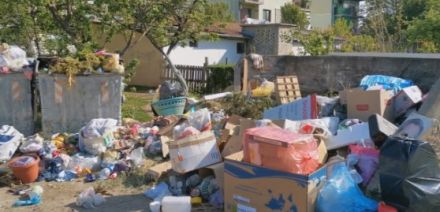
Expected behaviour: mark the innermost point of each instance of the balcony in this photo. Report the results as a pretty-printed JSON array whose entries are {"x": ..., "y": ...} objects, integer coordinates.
[{"x": 253, "y": 1}]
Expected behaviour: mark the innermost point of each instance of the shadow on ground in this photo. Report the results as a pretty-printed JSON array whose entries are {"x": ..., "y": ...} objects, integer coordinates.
[{"x": 136, "y": 202}]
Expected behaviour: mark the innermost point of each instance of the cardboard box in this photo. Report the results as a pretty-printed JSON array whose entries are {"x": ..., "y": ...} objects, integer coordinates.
[
  {"x": 235, "y": 143},
  {"x": 362, "y": 104},
  {"x": 254, "y": 188},
  {"x": 405, "y": 99},
  {"x": 155, "y": 172},
  {"x": 343, "y": 95},
  {"x": 194, "y": 152},
  {"x": 352, "y": 135},
  {"x": 305, "y": 108},
  {"x": 380, "y": 129}
]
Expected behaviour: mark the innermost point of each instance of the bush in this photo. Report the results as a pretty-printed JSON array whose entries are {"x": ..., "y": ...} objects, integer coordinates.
[
  {"x": 221, "y": 77},
  {"x": 247, "y": 107}
]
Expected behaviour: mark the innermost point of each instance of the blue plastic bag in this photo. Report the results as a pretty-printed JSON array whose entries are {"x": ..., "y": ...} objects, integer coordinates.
[
  {"x": 387, "y": 82},
  {"x": 340, "y": 193}
]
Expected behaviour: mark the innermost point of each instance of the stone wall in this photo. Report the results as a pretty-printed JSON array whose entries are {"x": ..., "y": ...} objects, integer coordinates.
[
  {"x": 323, "y": 74},
  {"x": 267, "y": 38}
]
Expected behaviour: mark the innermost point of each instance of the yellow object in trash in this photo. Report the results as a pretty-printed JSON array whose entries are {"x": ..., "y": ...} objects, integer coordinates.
[
  {"x": 265, "y": 89},
  {"x": 195, "y": 201},
  {"x": 59, "y": 141}
]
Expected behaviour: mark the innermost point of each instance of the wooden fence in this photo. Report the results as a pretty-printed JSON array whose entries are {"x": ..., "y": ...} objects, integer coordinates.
[{"x": 196, "y": 76}]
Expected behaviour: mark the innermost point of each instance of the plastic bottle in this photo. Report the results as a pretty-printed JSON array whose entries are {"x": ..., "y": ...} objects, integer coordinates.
[{"x": 172, "y": 204}]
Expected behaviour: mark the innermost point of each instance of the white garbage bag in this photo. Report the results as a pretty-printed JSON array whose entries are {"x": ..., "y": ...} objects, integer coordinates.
[
  {"x": 10, "y": 139},
  {"x": 97, "y": 135}
]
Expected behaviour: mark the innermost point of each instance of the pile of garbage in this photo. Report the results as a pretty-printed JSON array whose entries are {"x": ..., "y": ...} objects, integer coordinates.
[
  {"x": 363, "y": 150},
  {"x": 12, "y": 59}
]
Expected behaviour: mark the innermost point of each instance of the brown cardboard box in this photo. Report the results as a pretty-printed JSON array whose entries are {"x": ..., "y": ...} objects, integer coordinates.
[
  {"x": 158, "y": 170},
  {"x": 235, "y": 143},
  {"x": 343, "y": 95},
  {"x": 254, "y": 188},
  {"x": 362, "y": 104}
]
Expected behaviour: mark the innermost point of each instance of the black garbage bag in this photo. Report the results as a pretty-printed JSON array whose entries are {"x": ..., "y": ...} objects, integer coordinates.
[
  {"x": 170, "y": 89},
  {"x": 409, "y": 175}
]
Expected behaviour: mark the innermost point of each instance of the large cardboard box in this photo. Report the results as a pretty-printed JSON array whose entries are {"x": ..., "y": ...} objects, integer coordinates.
[
  {"x": 254, "y": 188},
  {"x": 305, "y": 108},
  {"x": 362, "y": 104}
]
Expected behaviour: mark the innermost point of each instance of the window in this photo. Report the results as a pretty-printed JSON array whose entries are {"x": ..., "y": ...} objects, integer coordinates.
[
  {"x": 267, "y": 15},
  {"x": 194, "y": 44},
  {"x": 240, "y": 48}
]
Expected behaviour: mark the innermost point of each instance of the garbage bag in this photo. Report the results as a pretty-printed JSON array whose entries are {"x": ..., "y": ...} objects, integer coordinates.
[
  {"x": 13, "y": 57},
  {"x": 170, "y": 89},
  {"x": 386, "y": 82},
  {"x": 97, "y": 135},
  {"x": 327, "y": 105},
  {"x": 158, "y": 192},
  {"x": 32, "y": 144},
  {"x": 409, "y": 175},
  {"x": 340, "y": 192},
  {"x": 89, "y": 199},
  {"x": 201, "y": 120},
  {"x": 10, "y": 139},
  {"x": 367, "y": 161}
]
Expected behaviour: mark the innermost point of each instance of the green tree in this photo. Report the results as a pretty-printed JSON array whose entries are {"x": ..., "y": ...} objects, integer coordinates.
[
  {"x": 424, "y": 31},
  {"x": 292, "y": 14},
  {"x": 166, "y": 23}
]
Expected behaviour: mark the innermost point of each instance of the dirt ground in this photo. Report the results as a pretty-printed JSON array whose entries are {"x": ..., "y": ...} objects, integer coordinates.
[
  {"x": 126, "y": 195},
  {"x": 61, "y": 196}
]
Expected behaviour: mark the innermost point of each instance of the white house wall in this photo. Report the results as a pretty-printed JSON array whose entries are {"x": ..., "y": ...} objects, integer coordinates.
[{"x": 218, "y": 52}]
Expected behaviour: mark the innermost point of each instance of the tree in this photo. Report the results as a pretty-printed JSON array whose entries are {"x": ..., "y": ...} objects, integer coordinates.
[
  {"x": 292, "y": 14},
  {"x": 424, "y": 31},
  {"x": 166, "y": 23}
]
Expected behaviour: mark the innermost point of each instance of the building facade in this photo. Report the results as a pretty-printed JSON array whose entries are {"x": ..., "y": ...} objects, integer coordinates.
[{"x": 324, "y": 13}]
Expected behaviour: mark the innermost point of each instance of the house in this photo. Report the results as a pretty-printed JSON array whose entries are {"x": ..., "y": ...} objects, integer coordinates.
[
  {"x": 228, "y": 48},
  {"x": 324, "y": 13}
]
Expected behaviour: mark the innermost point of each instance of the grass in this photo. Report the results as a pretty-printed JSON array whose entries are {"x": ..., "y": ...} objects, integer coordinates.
[{"x": 137, "y": 106}]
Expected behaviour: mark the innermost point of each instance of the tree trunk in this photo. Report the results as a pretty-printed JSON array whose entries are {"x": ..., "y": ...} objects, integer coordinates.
[{"x": 178, "y": 74}]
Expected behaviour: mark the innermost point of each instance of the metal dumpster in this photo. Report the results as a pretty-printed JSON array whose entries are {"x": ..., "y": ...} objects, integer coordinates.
[
  {"x": 67, "y": 108},
  {"x": 16, "y": 102}
]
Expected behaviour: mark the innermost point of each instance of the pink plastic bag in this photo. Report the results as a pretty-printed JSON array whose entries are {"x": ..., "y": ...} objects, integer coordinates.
[
  {"x": 368, "y": 161},
  {"x": 281, "y": 150}
]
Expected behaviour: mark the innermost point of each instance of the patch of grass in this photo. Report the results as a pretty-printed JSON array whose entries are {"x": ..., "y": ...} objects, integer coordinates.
[{"x": 137, "y": 106}]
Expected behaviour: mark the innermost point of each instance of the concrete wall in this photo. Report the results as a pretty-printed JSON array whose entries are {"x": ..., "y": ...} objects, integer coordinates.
[
  {"x": 217, "y": 52},
  {"x": 321, "y": 14},
  {"x": 324, "y": 74}
]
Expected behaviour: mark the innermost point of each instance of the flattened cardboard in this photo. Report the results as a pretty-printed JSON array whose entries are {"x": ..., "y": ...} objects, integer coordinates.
[
  {"x": 235, "y": 143},
  {"x": 253, "y": 188},
  {"x": 305, "y": 108},
  {"x": 362, "y": 104},
  {"x": 158, "y": 170}
]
